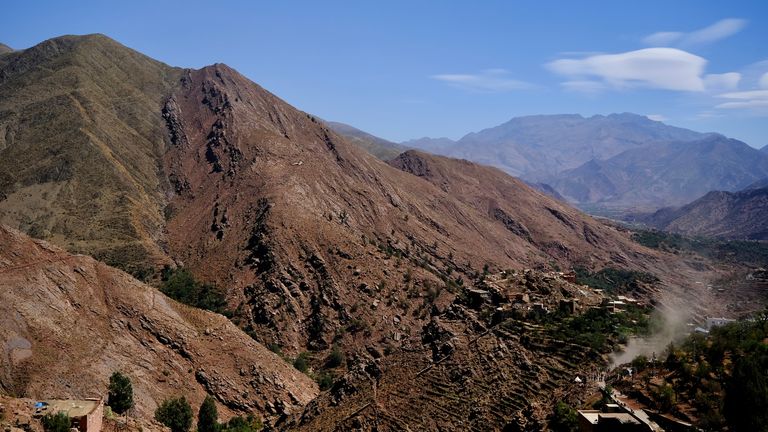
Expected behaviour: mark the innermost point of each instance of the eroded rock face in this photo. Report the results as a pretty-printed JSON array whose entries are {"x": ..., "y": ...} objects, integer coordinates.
[{"x": 67, "y": 322}]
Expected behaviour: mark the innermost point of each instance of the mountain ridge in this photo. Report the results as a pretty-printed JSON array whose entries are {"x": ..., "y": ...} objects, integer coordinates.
[
  {"x": 664, "y": 174},
  {"x": 69, "y": 108},
  {"x": 538, "y": 146},
  {"x": 741, "y": 215}
]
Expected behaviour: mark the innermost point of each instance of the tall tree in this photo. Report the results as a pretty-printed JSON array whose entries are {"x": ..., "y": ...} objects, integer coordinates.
[
  {"x": 175, "y": 413},
  {"x": 120, "y": 397},
  {"x": 208, "y": 416}
]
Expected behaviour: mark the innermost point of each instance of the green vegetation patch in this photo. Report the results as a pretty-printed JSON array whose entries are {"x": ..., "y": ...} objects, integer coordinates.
[
  {"x": 180, "y": 285},
  {"x": 614, "y": 280},
  {"x": 601, "y": 329},
  {"x": 722, "y": 375}
]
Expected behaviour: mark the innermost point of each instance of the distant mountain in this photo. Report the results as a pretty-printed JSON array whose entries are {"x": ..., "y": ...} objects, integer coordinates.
[
  {"x": 379, "y": 147},
  {"x": 764, "y": 149},
  {"x": 432, "y": 145},
  {"x": 731, "y": 215},
  {"x": 547, "y": 189},
  {"x": 664, "y": 174},
  {"x": 537, "y": 147},
  {"x": 5, "y": 49}
]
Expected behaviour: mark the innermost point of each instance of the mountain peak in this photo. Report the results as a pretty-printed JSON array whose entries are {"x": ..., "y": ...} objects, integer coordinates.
[{"x": 5, "y": 48}]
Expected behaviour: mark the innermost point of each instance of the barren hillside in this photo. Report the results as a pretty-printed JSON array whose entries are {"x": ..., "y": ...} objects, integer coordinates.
[{"x": 67, "y": 322}]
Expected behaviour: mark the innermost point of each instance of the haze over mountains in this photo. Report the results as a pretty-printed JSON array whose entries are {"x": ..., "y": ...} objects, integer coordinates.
[
  {"x": 320, "y": 246},
  {"x": 619, "y": 161}
]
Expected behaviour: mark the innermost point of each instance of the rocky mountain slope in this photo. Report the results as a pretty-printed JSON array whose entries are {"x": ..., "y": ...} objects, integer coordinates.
[
  {"x": 664, "y": 174},
  {"x": 732, "y": 215},
  {"x": 537, "y": 147},
  {"x": 81, "y": 144},
  {"x": 319, "y": 245},
  {"x": 310, "y": 233},
  {"x": 5, "y": 49},
  {"x": 67, "y": 322},
  {"x": 306, "y": 232},
  {"x": 471, "y": 371},
  {"x": 379, "y": 147}
]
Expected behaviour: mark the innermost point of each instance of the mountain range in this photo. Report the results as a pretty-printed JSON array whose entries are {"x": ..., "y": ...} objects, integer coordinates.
[
  {"x": 620, "y": 161},
  {"x": 664, "y": 174},
  {"x": 320, "y": 248},
  {"x": 536, "y": 147}
]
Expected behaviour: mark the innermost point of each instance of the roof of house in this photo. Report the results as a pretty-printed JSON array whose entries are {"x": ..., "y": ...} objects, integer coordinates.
[{"x": 73, "y": 408}]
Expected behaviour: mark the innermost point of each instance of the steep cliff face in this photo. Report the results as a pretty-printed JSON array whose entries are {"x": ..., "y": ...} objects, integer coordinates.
[{"x": 67, "y": 322}]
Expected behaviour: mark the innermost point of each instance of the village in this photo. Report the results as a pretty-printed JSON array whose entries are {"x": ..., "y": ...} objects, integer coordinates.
[{"x": 528, "y": 295}]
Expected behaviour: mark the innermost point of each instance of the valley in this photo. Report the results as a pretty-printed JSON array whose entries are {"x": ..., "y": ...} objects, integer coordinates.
[{"x": 334, "y": 280}]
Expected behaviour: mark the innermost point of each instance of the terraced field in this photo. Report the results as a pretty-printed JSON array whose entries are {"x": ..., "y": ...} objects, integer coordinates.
[{"x": 502, "y": 378}]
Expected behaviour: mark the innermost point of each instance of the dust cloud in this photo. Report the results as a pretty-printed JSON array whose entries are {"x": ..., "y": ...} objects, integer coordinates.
[{"x": 673, "y": 317}]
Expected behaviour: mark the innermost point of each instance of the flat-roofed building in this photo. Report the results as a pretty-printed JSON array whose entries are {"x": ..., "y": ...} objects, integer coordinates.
[{"x": 86, "y": 415}]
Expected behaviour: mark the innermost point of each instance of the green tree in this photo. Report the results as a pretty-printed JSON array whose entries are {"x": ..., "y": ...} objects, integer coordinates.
[
  {"x": 208, "y": 416},
  {"x": 180, "y": 285},
  {"x": 301, "y": 362},
  {"x": 120, "y": 396},
  {"x": 240, "y": 424},
  {"x": 336, "y": 358},
  {"x": 59, "y": 422},
  {"x": 564, "y": 419},
  {"x": 175, "y": 413},
  {"x": 666, "y": 397}
]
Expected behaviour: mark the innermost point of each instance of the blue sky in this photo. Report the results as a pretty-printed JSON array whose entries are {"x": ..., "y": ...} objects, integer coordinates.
[{"x": 407, "y": 69}]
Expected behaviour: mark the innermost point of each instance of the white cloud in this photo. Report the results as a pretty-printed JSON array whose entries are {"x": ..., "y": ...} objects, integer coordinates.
[
  {"x": 752, "y": 99},
  {"x": 720, "y": 82},
  {"x": 663, "y": 38},
  {"x": 487, "y": 81},
  {"x": 764, "y": 81},
  {"x": 751, "y": 94},
  {"x": 713, "y": 33},
  {"x": 744, "y": 104},
  {"x": 662, "y": 68},
  {"x": 656, "y": 117}
]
